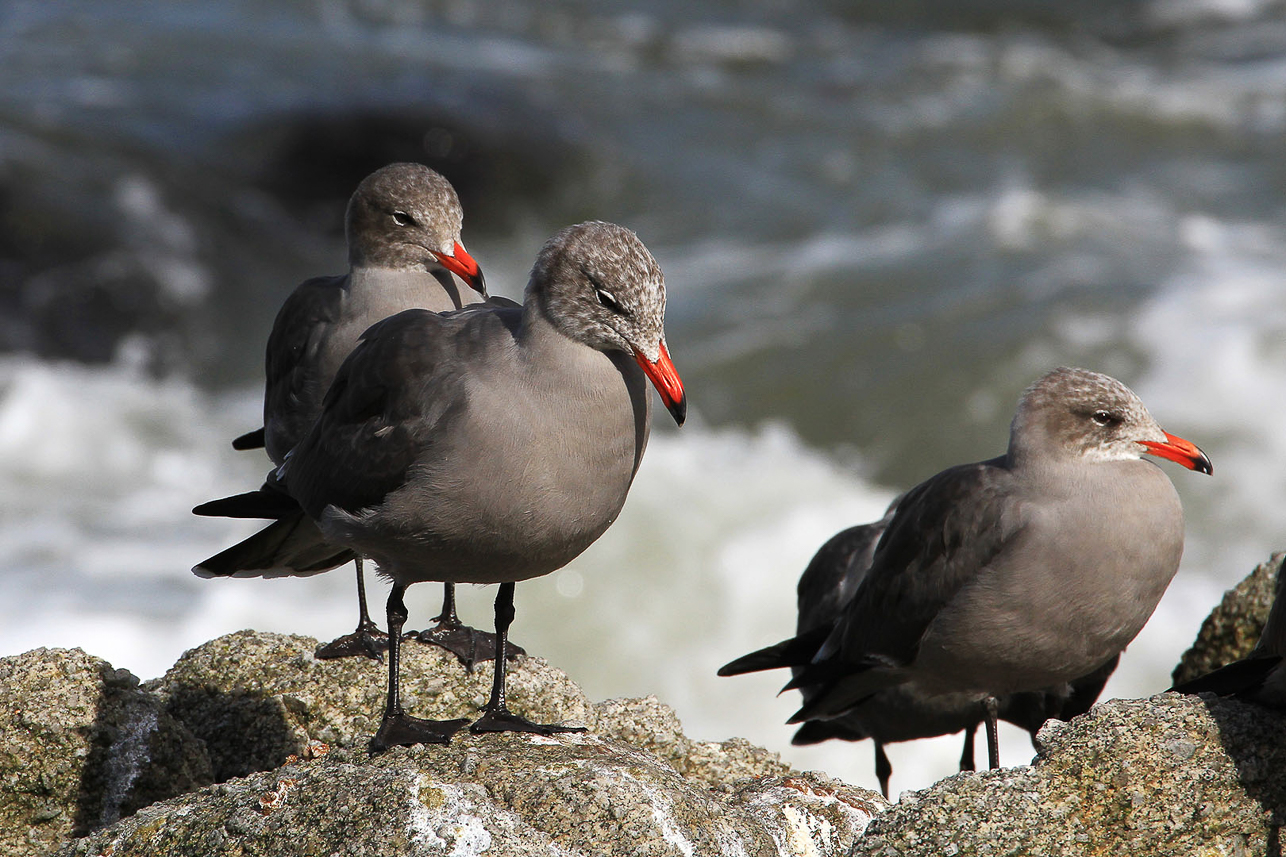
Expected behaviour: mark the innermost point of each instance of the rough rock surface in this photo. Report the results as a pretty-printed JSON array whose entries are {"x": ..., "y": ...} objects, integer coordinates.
[
  {"x": 1168, "y": 775},
  {"x": 505, "y": 795},
  {"x": 81, "y": 746},
  {"x": 287, "y": 736},
  {"x": 1233, "y": 628}
]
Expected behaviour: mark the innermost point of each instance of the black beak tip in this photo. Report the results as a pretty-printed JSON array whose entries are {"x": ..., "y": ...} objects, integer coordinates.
[{"x": 679, "y": 410}]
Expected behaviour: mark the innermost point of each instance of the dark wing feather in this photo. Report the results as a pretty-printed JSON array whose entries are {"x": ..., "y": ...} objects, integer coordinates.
[
  {"x": 834, "y": 574},
  {"x": 942, "y": 533},
  {"x": 385, "y": 406},
  {"x": 268, "y": 502},
  {"x": 795, "y": 651},
  {"x": 290, "y": 546},
  {"x": 1241, "y": 677},
  {"x": 294, "y": 386}
]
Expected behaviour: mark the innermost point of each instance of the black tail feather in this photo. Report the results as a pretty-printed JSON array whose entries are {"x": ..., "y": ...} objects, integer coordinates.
[
  {"x": 291, "y": 546},
  {"x": 265, "y": 503},
  {"x": 794, "y": 652},
  {"x": 249, "y": 440},
  {"x": 1239, "y": 677}
]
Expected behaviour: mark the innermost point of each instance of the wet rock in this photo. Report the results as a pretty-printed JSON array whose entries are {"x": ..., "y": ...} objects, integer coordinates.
[
  {"x": 81, "y": 745},
  {"x": 1168, "y": 775},
  {"x": 1233, "y": 628}
]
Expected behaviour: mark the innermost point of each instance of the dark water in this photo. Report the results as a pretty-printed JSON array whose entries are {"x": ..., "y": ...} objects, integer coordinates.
[{"x": 877, "y": 226}]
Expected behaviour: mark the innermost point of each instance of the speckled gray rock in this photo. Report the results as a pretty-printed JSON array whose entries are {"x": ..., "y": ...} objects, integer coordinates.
[
  {"x": 80, "y": 746},
  {"x": 1168, "y": 775},
  {"x": 1233, "y": 628},
  {"x": 256, "y": 698},
  {"x": 499, "y": 795},
  {"x": 288, "y": 736}
]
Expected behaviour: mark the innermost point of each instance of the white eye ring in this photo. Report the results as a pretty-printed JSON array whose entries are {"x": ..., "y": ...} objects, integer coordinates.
[
  {"x": 401, "y": 218},
  {"x": 608, "y": 300}
]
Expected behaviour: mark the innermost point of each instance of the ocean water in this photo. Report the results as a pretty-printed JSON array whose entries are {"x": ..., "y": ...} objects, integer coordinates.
[{"x": 876, "y": 231}]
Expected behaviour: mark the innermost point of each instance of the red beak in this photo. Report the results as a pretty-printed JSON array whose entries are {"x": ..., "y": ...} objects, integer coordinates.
[
  {"x": 1184, "y": 452},
  {"x": 666, "y": 380},
  {"x": 463, "y": 266}
]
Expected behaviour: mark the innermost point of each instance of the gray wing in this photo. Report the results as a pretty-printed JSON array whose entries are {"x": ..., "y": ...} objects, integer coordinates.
[
  {"x": 824, "y": 588},
  {"x": 391, "y": 402},
  {"x": 942, "y": 534},
  {"x": 294, "y": 383},
  {"x": 834, "y": 573}
]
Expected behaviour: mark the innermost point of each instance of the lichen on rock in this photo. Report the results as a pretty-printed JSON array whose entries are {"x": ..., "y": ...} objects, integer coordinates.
[
  {"x": 81, "y": 745},
  {"x": 286, "y": 737}
]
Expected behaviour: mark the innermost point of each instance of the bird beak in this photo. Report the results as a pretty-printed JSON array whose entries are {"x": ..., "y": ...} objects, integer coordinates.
[
  {"x": 666, "y": 379},
  {"x": 460, "y": 263},
  {"x": 1184, "y": 452}
]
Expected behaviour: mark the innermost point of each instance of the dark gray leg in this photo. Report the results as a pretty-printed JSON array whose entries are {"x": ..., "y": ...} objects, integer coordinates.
[
  {"x": 990, "y": 708},
  {"x": 496, "y": 715},
  {"x": 470, "y": 645},
  {"x": 367, "y": 640},
  {"x": 883, "y": 768},
  {"x": 399, "y": 728},
  {"x": 966, "y": 756}
]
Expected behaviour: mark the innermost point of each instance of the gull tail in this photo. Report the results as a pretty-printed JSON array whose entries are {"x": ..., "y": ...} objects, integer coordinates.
[
  {"x": 249, "y": 440},
  {"x": 795, "y": 652},
  {"x": 290, "y": 547}
]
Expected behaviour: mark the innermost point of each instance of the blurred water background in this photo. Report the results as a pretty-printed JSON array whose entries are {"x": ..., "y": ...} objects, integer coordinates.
[{"x": 877, "y": 226}]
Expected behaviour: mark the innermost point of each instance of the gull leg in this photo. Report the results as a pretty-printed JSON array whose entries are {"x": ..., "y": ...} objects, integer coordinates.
[
  {"x": 399, "y": 728},
  {"x": 368, "y": 640},
  {"x": 496, "y": 714}
]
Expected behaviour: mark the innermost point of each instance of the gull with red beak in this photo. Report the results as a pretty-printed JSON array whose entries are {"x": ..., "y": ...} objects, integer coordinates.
[
  {"x": 403, "y": 227},
  {"x": 1012, "y": 575},
  {"x": 489, "y": 445}
]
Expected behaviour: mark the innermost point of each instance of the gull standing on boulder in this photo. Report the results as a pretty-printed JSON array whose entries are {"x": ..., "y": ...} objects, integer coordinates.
[
  {"x": 1017, "y": 574},
  {"x": 897, "y": 713},
  {"x": 403, "y": 228},
  {"x": 492, "y": 445}
]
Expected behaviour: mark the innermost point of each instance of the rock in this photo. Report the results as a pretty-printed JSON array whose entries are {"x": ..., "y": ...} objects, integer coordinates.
[
  {"x": 502, "y": 795},
  {"x": 1233, "y": 628},
  {"x": 499, "y": 794},
  {"x": 81, "y": 745},
  {"x": 1168, "y": 775},
  {"x": 287, "y": 737},
  {"x": 257, "y": 698}
]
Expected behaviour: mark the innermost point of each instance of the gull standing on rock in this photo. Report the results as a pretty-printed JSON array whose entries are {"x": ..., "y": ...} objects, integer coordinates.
[
  {"x": 492, "y": 445},
  {"x": 1017, "y": 574},
  {"x": 897, "y": 713},
  {"x": 403, "y": 228}
]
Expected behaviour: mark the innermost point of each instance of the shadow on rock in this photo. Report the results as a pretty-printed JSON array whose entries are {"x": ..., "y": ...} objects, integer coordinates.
[
  {"x": 244, "y": 732},
  {"x": 1251, "y": 736}
]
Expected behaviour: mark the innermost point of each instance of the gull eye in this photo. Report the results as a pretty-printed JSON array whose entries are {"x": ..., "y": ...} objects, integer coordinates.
[
  {"x": 1105, "y": 418},
  {"x": 401, "y": 218},
  {"x": 608, "y": 300}
]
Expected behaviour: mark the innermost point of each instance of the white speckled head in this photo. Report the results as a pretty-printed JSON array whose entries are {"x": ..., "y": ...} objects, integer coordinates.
[
  {"x": 597, "y": 284},
  {"x": 1078, "y": 415},
  {"x": 407, "y": 216}
]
